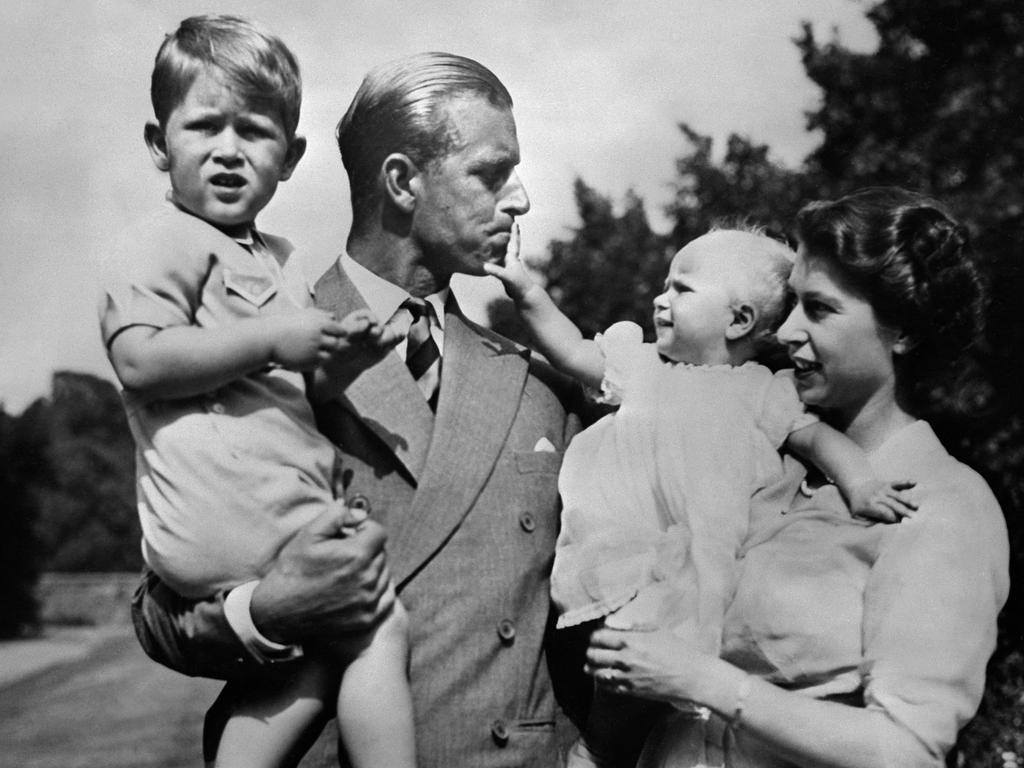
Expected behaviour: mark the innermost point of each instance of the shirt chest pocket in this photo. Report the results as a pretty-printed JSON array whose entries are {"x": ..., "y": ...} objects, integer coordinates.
[{"x": 252, "y": 289}]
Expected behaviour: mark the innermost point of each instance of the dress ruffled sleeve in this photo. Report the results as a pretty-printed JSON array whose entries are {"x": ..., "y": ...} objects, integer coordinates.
[
  {"x": 782, "y": 413},
  {"x": 931, "y": 604},
  {"x": 625, "y": 356}
]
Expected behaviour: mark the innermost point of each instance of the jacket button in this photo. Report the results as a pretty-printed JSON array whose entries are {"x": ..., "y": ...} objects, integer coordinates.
[
  {"x": 359, "y": 501},
  {"x": 506, "y": 631},
  {"x": 499, "y": 731},
  {"x": 527, "y": 522}
]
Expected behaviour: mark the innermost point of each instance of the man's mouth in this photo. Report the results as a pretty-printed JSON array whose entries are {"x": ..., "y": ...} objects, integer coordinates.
[{"x": 229, "y": 180}]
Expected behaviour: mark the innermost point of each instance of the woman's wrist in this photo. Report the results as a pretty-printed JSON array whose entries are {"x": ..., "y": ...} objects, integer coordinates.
[{"x": 723, "y": 688}]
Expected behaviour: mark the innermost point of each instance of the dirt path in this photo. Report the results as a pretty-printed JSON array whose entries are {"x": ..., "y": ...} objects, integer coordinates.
[{"x": 113, "y": 708}]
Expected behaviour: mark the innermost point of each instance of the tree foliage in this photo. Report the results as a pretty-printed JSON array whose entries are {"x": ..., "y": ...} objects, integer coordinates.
[
  {"x": 71, "y": 498},
  {"x": 612, "y": 267},
  {"x": 20, "y": 460}
]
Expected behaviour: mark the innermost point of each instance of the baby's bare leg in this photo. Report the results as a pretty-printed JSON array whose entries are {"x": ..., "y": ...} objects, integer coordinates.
[
  {"x": 272, "y": 722},
  {"x": 374, "y": 702}
]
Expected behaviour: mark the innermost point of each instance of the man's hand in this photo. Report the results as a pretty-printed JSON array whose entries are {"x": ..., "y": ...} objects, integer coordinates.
[{"x": 324, "y": 583}]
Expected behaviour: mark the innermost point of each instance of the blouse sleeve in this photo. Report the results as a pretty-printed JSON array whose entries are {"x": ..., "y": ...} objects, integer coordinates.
[{"x": 931, "y": 604}]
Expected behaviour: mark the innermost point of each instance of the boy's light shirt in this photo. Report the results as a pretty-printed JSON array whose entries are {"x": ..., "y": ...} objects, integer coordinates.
[{"x": 383, "y": 299}]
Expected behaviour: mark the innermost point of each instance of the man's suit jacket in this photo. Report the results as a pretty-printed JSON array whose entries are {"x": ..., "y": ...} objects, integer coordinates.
[{"x": 469, "y": 499}]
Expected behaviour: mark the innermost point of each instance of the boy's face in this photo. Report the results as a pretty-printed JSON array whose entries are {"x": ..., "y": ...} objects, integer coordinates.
[{"x": 225, "y": 156}]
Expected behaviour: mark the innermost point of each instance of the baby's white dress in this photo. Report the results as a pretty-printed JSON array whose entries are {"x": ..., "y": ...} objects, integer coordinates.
[{"x": 656, "y": 496}]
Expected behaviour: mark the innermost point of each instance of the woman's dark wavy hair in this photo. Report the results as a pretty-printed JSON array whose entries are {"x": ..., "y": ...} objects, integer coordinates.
[{"x": 912, "y": 261}]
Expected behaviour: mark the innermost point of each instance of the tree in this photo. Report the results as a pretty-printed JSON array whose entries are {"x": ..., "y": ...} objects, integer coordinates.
[
  {"x": 87, "y": 517},
  {"x": 746, "y": 186},
  {"x": 612, "y": 267},
  {"x": 20, "y": 460}
]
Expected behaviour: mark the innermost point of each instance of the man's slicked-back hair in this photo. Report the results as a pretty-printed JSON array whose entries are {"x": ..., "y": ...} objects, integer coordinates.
[
  {"x": 251, "y": 61},
  {"x": 399, "y": 108}
]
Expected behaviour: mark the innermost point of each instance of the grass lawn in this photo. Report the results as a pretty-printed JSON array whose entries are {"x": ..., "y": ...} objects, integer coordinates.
[{"x": 113, "y": 708}]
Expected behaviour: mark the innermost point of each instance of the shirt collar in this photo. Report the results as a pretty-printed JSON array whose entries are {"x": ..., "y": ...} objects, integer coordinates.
[{"x": 384, "y": 298}]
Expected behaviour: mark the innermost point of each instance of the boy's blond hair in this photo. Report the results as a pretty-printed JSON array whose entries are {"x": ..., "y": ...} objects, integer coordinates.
[{"x": 251, "y": 60}]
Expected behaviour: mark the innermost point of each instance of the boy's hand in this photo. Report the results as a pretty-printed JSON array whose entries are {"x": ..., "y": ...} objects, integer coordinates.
[
  {"x": 303, "y": 340},
  {"x": 362, "y": 342},
  {"x": 882, "y": 500},
  {"x": 513, "y": 274}
]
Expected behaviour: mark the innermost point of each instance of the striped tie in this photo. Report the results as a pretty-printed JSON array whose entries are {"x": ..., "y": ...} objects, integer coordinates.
[{"x": 421, "y": 353}]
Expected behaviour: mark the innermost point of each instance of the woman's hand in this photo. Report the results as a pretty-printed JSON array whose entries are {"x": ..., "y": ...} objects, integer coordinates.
[{"x": 658, "y": 665}]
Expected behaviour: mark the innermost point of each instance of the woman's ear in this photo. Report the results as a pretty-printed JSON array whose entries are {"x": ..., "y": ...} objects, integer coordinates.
[
  {"x": 400, "y": 181},
  {"x": 157, "y": 144},
  {"x": 744, "y": 318},
  {"x": 903, "y": 343}
]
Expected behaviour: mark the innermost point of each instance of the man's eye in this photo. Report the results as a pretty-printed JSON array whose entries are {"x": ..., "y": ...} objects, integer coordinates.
[{"x": 494, "y": 176}]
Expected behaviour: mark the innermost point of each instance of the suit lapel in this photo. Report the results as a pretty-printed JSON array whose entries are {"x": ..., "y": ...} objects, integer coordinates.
[
  {"x": 482, "y": 380},
  {"x": 385, "y": 398}
]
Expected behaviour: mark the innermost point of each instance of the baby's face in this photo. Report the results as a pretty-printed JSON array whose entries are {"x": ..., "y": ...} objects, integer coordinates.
[
  {"x": 692, "y": 314},
  {"x": 224, "y": 155}
]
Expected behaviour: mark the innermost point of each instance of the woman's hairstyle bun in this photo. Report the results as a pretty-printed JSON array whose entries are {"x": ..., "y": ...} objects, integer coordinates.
[{"x": 913, "y": 263}]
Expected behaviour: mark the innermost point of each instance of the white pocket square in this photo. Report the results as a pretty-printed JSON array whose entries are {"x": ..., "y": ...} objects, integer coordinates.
[{"x": 544, "y": 445}]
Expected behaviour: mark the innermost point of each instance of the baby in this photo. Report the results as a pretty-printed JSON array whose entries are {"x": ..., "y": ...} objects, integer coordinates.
[
  {"x": 208, "y": 324},
  {"x": 656, "y": 496}
]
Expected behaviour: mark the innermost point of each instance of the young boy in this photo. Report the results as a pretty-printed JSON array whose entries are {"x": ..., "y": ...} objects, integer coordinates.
[{"x": 208, "y": 326}]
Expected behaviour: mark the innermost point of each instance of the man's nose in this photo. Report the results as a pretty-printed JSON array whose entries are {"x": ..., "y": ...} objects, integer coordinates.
[{"x": 514, "y": 199}]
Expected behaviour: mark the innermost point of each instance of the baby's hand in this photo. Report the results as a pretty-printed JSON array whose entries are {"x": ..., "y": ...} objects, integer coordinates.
[
  {"x": 303, "y": 340},
  {"x": 883, "y": 501},
  {"x": 513, "y": 274}
]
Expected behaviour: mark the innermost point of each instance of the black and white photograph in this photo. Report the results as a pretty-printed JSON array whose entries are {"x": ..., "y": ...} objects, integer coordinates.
[{"x": 550, "y": 384}]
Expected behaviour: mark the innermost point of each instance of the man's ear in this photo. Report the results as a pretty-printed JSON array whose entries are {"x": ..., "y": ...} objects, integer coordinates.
[
  {"x": 157, "y": 144},
  {"x": 744, "y": 318},
  {"x": 401, "y": 181},
  {"x": 296, "y": 149}
]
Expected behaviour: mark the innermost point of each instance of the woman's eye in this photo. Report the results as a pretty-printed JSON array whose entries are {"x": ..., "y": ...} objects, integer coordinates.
[{"x": 816, "y": 309}]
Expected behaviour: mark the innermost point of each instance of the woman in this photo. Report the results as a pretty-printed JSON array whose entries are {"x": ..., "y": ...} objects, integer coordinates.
[{"x": 850, "y": 643}]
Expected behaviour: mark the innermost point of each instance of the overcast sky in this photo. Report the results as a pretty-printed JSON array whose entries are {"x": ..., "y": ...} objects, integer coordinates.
[{"x": 599, "y": 88}]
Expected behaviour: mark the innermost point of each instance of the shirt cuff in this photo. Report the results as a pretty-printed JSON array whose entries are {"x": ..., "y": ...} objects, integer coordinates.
[{"x": 237, "y": 612}]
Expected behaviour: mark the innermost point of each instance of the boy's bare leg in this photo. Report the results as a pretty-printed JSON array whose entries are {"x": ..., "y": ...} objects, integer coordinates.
[
  {"x": 273, "y": 722},
  {"x": 374, "y": 702}
]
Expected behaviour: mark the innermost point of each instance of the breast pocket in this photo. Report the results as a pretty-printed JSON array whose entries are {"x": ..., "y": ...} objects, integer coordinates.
[{"x": 254, "y": 289}]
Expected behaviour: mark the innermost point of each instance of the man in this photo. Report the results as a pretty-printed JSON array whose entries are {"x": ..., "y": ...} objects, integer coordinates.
[{"x": 462, "y": 474}]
